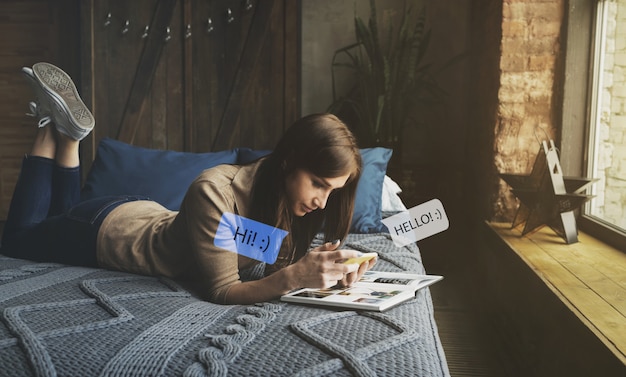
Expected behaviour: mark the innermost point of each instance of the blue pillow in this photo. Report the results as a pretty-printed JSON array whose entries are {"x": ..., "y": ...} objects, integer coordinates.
[
  {"x": 163, "y": 176},
  {"x": 367, "y": 217}
]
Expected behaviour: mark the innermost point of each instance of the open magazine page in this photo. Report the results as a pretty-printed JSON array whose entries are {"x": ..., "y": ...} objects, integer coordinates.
[
  {"x": 402, "y": 280},
  {"x": 375, "y": 291}
]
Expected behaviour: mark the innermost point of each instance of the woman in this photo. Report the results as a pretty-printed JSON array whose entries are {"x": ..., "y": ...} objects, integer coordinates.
[{"x": 307, "y": 184}]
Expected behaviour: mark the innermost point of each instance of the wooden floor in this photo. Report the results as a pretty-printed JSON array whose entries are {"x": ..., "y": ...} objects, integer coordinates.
[
  {"x": 471, "y": 344},
  {"x": 472, "y": 347}
]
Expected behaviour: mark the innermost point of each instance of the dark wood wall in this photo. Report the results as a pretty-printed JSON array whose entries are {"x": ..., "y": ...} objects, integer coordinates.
[
  {"x": 189, "y": 83},
  {"x": 30, "y": 31},
  {"x": 198, "y": 87}
]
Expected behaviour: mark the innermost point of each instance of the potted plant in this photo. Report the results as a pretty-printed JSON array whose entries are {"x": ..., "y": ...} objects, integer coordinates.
[{"x": 391, "y": 84}]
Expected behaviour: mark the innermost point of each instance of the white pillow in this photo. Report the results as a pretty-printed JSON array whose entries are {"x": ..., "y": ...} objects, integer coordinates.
[{"x": 391, "y": 202}]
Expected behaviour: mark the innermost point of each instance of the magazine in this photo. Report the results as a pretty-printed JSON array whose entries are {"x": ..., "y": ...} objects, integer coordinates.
[{"x": 376, "y": 290}]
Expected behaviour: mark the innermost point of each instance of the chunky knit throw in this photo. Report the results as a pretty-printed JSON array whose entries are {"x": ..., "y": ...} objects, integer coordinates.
[{"x": 71, "y": 321}]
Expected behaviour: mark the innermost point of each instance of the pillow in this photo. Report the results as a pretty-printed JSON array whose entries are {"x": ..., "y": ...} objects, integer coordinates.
[
  {"x": 163, "y": 176},
  {"x": 367, "y": 216},
  {"x": 391, "y": 201},
  {"x": 123, "y": 169}
]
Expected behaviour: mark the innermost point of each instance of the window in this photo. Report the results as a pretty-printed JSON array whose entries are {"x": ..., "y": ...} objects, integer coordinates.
[
  {"x": 605, "y": 145},
  {"x": 593, "y": 132}
]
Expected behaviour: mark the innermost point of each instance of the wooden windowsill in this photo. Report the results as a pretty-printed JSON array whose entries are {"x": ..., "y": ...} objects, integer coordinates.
[{"x": 589, "y": 277}]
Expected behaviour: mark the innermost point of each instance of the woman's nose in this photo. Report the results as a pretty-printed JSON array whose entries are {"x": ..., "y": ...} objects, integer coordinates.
[{"x": 320, "y": 200}]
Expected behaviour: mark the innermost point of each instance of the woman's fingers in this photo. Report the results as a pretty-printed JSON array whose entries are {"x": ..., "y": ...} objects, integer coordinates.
[
  {"x": 352, "y": 277},
  {"x": 324, "y": 268},
  {"x": 329, "y": 246},
  {"x": 335, "y": 273},
  {"x": 319, "y": 269}
]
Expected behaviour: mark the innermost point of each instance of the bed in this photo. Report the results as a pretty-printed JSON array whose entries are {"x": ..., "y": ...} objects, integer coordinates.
[{"x": 60, "y": 320}]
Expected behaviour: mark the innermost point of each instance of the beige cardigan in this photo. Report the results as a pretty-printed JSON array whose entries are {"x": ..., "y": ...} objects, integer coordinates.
[{"x": 145, "y": 238}]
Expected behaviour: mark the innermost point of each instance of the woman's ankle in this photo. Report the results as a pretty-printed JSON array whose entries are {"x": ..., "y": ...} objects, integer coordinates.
[
  {"x": 67, "y": 153},
  {"x": 45, "y": 144}
]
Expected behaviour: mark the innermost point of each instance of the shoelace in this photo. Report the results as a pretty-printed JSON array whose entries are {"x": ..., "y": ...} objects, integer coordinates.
[{"x": 34, "y": 112}]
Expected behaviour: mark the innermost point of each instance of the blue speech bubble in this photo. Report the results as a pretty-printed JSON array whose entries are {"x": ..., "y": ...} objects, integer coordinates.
[{"x": 249, "y": 238}]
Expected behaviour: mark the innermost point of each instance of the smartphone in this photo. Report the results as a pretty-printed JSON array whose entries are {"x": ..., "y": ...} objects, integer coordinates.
[{"x": 361, "y": 258}]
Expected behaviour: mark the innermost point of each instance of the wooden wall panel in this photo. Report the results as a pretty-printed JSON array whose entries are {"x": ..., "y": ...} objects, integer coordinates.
[
  {"x": 30, "y": 31},
  {"x": 234, "y": 86},
  {"x": 116, "y": 58},
  {"x": 216, "y": 56},
  {"x": 212, "y": 89}
]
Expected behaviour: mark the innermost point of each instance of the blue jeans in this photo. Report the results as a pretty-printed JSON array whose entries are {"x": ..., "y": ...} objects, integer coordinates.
[{"x": 47, "y": 222}]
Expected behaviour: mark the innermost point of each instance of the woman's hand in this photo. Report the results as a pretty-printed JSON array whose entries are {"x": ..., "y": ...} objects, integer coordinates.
[
  {"x": 353, "y": 277},
  {"x": 322, "y": 267}
]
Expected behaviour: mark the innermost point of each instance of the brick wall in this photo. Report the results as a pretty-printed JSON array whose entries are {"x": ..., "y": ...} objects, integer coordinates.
[{"x": 527, "y": 111}]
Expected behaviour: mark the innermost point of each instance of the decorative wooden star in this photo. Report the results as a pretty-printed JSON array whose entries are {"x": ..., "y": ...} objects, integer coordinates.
[{"x": 547, "y": 197}]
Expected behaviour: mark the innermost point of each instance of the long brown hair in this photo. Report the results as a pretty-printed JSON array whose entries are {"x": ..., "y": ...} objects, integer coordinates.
[{"x": 323, "y": 145}]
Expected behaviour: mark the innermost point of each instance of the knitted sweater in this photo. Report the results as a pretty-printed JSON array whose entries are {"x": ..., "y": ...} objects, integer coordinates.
[{"x": 145, "y": 238}]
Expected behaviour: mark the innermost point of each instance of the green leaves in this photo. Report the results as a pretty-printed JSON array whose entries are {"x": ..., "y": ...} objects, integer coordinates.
[{"x": 391, "y": 84}]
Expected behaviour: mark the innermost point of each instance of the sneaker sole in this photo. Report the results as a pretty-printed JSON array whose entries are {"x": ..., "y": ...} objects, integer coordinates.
[{"x": 60, "y": 87}]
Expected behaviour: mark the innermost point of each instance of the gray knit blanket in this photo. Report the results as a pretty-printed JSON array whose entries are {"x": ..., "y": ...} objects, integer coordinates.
[{"x": 60, "y": 320}]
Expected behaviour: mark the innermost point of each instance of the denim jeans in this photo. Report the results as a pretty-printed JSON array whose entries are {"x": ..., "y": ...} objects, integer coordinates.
[{"x": 47, "y": 222}]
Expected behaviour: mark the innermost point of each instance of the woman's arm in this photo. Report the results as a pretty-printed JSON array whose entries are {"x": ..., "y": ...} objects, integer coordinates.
[
  {"x": 319, "y": 268},
  {"x": 217, "y": 269}
]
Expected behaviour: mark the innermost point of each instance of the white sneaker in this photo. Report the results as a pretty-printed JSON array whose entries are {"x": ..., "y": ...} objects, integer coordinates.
[
  {"x": 69, "y": 114},
  {"x": 40, "y": 108}
]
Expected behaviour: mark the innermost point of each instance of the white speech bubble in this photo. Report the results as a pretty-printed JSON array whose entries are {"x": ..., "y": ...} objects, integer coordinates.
[{"x": 417, "y": 223}]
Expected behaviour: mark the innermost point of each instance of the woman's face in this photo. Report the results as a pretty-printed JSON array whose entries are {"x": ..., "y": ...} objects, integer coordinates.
[{"x": 308, "y": 192}]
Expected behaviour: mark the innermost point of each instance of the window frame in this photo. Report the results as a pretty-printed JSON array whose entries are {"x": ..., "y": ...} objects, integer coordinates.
[{"x": 580, "y": 25}]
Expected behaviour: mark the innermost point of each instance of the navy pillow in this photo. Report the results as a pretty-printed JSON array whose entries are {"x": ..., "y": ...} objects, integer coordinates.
[
  {"x": 367, "y": 217},
  {"x": 163, "y": 176}
]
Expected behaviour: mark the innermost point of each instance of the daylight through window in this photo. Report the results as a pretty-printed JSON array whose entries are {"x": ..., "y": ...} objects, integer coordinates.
[{"x": 607, "y": 146}]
